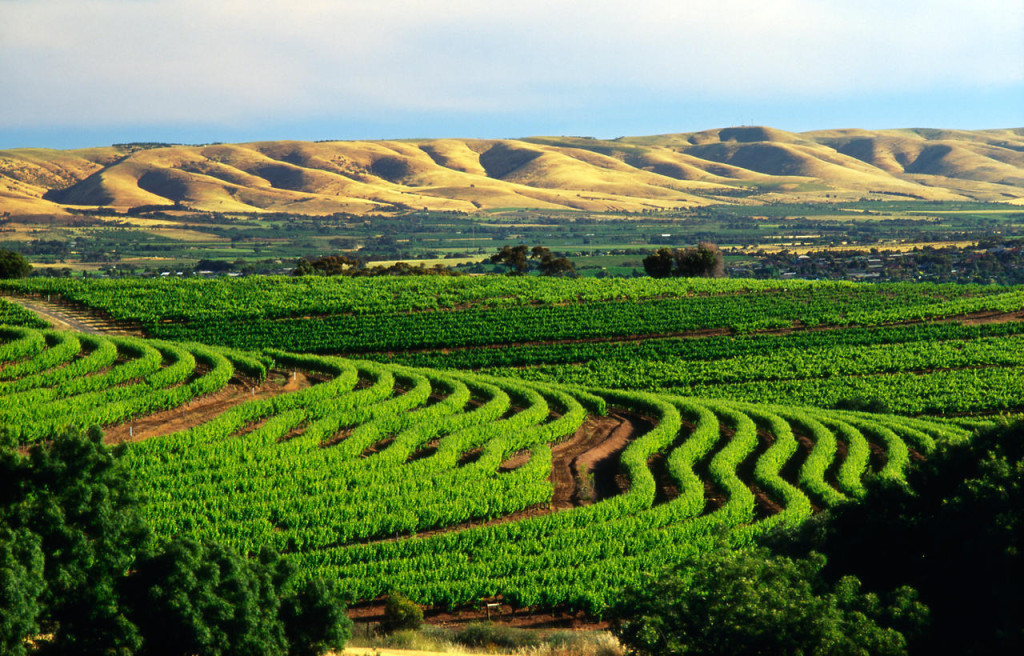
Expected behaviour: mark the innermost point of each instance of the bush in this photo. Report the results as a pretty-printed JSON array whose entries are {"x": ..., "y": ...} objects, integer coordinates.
[
  {"x": 400, "y": 613},
  {"x": 864, "y": 404},
  {"x": 752, "y": 602}
]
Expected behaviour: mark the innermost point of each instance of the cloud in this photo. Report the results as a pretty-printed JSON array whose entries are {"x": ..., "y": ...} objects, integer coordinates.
[{"x": 231, "y": 62}]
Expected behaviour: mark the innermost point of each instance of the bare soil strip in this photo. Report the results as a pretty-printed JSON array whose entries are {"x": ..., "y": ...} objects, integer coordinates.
[
  {"x": 202, "y": 409},
  {"x": 69, "y": 316},
  {"x": 576, "y": 461}
]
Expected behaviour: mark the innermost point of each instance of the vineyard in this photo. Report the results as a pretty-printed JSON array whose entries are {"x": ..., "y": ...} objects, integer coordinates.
[
  {"x": 923, "y": 348},
  {"x": 335, "y": 315},
  {"x": 456, "y": 487}
]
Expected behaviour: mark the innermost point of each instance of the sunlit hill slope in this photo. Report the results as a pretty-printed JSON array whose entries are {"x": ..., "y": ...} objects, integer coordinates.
[{"x": 735, "y": 165}]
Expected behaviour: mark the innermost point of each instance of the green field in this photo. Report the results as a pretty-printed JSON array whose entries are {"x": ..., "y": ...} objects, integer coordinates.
[
  {"x": 539, "y": 447},
  {"x": 922, "y": 348},
  {"x": 427, "y": 450},
  {"x": 399, "y": 469}
]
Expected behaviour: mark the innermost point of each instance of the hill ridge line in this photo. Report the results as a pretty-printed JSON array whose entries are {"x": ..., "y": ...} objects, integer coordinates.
[{"x": 747, "y": 164}]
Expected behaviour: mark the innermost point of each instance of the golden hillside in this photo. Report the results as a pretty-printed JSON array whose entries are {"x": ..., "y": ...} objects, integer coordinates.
[{"x": 736, "y": 165}]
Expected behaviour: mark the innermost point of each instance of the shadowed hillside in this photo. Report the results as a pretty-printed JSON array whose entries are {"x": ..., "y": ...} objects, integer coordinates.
[{"x": 740, "y": 164}]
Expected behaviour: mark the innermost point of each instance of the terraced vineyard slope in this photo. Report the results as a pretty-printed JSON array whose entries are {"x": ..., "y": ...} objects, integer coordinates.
[
  {"x": 922, "y": 348},
  {"x": 453, "y": 487}
]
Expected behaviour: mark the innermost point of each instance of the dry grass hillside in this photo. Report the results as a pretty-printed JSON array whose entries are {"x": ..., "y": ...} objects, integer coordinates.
[{"x": 744, "y": 164}]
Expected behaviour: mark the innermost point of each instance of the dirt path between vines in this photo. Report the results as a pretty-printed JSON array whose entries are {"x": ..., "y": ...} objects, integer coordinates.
[
  {"x": 205, "y": 408},
  {"x": 595, "y": 444},
  {"x": 64, "y": 316}
]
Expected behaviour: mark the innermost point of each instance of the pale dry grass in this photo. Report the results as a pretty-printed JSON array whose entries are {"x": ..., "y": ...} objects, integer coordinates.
[
  {"x": 663, "y": 171},
  {"x": 899, "y": 248}
]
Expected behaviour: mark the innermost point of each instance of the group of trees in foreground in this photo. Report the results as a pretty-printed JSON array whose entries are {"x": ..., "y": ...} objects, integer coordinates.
[
  {"x": 80, "y": 573},
  {"x": 932, "y": 566}
]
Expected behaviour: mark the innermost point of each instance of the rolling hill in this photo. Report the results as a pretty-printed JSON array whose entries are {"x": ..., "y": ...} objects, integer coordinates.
[{"x": 736, "y": 165}]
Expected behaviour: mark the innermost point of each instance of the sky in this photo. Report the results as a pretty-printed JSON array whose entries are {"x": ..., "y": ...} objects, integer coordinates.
[{"x": 79, "y": 73}]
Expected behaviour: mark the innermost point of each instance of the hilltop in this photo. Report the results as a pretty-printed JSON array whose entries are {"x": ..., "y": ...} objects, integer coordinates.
[{"x": 732, "y": 165}]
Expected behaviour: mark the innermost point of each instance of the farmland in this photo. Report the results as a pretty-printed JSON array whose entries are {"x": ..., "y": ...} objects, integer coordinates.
[
  {"x": 335, "y": 472},
  {"x": 923, "y": 347},
  {"x": 109, "y": 242},
  {"x": 542, "y": 443}
]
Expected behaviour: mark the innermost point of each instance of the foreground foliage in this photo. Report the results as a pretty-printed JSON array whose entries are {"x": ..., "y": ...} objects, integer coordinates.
[
  {"x": 753, "y": 602},
  {"x": 78, "y": 565},
  {"x": 939, "y": 554},
  {"x": 955, "y": 533}
]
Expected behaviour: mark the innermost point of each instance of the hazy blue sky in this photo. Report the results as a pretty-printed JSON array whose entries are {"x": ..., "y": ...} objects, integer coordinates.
[{"x": 93, "y": 72}]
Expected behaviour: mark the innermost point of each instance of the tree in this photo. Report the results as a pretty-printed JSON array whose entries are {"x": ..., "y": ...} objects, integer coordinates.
[
  {"x": 704, "y": 261},
  {"x": 218, "y": 266},
  {"x": 21, "y": 583},
  {"x": 78, "y": 503},
  {"x": 314, "y": 619},
  {"x": 517, "y": 259},
  {"x": 192, "y": 598},
  {"x": 303, "y": 268},
  {"x": 551, "y": 265},
  {"x": 753, "y": 602},
  {"x": 659, "y": 264},
  {"x": 329, "y": 265},
  {"x": 13, "y": 265},
  {"x": 514, "y": 257}
]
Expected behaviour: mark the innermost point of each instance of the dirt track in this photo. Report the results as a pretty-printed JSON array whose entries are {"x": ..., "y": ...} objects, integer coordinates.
[
  {"x": 68, "y": 317},
  {"x": 202, "y": 409}
]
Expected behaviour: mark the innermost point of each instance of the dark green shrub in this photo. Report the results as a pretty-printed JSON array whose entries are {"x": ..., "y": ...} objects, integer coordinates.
[
  {"x": 863, "y": 404},
  {"x": 400, "y": 613},
  {"x": 753, "y": 602}
]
